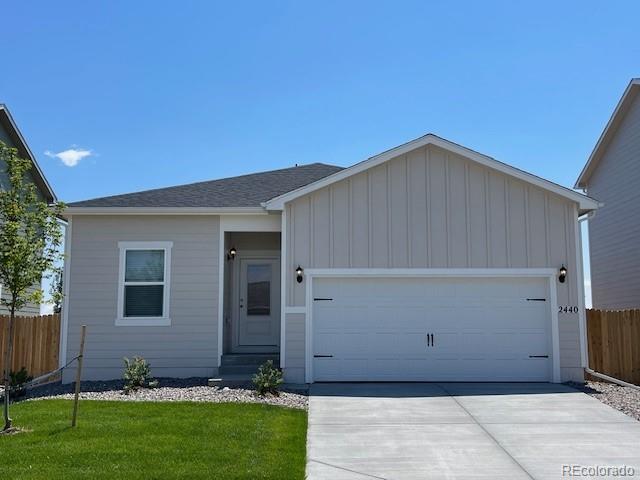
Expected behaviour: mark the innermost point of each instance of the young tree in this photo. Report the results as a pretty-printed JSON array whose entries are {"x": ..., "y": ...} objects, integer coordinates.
[
  {"x": 30, "y": 239},
  {"x": 57, "y": 292}
]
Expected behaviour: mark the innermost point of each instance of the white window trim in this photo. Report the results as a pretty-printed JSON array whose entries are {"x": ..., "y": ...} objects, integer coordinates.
[{"x": 164, "y": 320}]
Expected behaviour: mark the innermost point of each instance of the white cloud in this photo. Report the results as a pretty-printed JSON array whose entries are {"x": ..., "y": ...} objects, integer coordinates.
[{"x": 71, "y": 156}]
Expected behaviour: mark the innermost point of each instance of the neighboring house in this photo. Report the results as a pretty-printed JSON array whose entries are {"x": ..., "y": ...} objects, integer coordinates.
[
  {"x": 612, "y": 175},
  {"x": 10, "y": 135},
  {"x": 427, "y": 262}
]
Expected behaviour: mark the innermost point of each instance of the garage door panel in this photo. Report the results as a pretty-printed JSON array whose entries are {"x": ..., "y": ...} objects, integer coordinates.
[
  {"x": 483, "y": 329},
  {"x": 385, "y": 367},
  {"x": 345, "y": 344},
  {"x": 412, "y": 344}
]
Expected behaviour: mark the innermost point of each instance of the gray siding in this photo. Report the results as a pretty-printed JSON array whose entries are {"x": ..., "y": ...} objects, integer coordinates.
[
  {"x": 294, "y": 348},
  {"x": 188, "y": 347},
  {"x": 4, "y": 178},
  {"x": 430, "y": 208},
  {"x": 29, "y": 309},
  {"x": 614, "y": 232}
]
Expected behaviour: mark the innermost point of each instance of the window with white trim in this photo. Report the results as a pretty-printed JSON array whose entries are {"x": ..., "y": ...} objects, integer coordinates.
[{"x": 143, "y": 293}]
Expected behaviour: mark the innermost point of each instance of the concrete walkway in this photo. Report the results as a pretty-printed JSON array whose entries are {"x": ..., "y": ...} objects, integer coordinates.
[{"x": 458, "y": 430}]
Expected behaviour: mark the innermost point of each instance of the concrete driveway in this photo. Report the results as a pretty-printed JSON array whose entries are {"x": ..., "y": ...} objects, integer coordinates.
[{"x": 463, "y": 430}]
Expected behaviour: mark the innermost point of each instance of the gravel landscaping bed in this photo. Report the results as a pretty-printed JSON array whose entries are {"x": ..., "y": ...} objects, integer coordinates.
[
  {"x": 170, "y": 390},
  {"x": 625, "y": 399}
]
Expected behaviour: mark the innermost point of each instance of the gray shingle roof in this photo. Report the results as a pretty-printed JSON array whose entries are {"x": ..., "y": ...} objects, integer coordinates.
[{"x": 243, "y": 191}]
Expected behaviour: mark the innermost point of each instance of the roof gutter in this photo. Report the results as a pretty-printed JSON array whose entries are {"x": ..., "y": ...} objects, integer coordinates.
[{"x": 622, "y": 383}]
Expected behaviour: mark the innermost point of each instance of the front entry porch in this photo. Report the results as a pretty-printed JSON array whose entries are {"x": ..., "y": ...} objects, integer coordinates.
[{"x": 251, "y": 305}]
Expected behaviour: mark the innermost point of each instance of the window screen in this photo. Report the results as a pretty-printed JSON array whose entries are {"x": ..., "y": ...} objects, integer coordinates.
[{"x": 144, "y": 283}]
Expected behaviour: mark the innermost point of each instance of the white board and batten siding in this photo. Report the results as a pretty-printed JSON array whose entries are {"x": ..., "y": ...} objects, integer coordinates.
[
  {"x": 188, "y": 347},
  {"x": 428, "y": 209}
]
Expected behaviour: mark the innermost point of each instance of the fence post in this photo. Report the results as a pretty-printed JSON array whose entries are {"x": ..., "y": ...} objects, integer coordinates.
[{"x": 78, "y": 376}]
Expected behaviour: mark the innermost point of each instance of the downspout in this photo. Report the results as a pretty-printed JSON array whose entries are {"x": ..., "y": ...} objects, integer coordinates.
[
  {"x": 585, "y": 343},
  {"x": 611, "y": 379}
]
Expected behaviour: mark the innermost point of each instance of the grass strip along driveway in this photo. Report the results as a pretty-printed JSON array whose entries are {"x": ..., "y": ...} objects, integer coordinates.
[{"x": 145, "y": 440}]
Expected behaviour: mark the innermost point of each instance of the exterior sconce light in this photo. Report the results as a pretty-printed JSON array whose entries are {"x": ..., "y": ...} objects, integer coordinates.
[
  {"x": 562, "y": 275},
  {"x": 299, "y": 272},
  {"x": 232, "y": 253}
]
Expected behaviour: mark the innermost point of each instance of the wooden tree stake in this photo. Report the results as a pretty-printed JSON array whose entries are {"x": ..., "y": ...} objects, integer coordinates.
[{"x": 78, "y": 376}]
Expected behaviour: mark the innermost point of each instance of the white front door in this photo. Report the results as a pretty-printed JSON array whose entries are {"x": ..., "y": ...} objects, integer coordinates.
[
  {"x": 259, "y": 304},
  {"x": 431, "y": 329}
]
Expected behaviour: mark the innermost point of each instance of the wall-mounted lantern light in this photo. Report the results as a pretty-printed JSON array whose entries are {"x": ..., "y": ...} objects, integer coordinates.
[
  {"x": 562, "y": 274},
  {"x": 299, "y": 272},
  {"x": 232, "y": 253}
]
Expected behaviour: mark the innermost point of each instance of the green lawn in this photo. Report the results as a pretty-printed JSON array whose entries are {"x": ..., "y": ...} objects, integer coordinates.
[{"x": 144, "y": 440}]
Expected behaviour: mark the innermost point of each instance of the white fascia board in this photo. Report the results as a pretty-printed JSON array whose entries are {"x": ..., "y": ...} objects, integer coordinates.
[
  {"x": 585, "y": 203},
  {"x": 251, "y": 223},
  {"x": 165, "y": 211},
  {"x": 594, "y": 158}
]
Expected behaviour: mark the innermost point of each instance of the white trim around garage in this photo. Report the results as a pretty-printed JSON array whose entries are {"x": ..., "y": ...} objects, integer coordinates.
[{"x": 312, "y": 273}]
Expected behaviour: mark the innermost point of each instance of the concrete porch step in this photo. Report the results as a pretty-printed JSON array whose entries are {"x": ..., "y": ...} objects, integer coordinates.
[
  {"x": 238, "y": 369},
  {"x": 250, "y": 359},
  {"x": 231, "y": 381}
]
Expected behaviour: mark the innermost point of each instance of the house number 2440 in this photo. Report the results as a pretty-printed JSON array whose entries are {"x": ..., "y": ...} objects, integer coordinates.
[{"x": 567, "y": 309}]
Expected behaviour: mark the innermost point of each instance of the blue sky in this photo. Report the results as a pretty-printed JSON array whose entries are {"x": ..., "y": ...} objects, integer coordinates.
[{"x": 157, "y": 94}]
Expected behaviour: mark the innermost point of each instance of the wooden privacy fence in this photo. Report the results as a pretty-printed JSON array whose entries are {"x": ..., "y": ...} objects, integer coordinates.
[
  {"x": 36, "y": 343},
  {"x": 614, "y": 343}
]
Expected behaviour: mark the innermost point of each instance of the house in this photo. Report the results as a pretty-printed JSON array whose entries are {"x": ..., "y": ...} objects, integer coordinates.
[
  {"x": 11, "y": 136},
  {"x": 429, "y": 261},
  {"x": 612, "y": 175}
]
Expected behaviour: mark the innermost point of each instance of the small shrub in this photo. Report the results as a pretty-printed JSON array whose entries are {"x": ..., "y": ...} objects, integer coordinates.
[
  {"x": 137, "y": 373},
  {"x": 153, "y": 384},
  {"x": 17, "y": 381},
  {"x": 268, "y": 379}
]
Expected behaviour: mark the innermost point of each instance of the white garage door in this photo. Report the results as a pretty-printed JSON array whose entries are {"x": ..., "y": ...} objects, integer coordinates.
[{"x": 429, "y": 329}]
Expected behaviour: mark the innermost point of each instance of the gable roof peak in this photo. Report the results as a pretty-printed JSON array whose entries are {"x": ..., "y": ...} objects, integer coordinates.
[
  {"x": 6, "y": 121},
  {"x": 585, "y": 203},
  {"x": 625, "y": 102}
]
